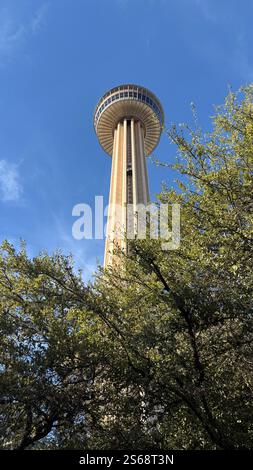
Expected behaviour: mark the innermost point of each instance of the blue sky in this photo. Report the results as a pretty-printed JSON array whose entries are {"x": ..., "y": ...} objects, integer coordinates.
[{"x": 58, "y": 57}]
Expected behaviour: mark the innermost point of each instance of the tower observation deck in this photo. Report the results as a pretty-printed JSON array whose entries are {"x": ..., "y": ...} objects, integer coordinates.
[{"x": 128, "y": 121}]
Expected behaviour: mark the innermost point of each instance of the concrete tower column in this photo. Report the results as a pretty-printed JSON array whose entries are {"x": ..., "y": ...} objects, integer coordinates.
[{"x": 129, "y": 186}]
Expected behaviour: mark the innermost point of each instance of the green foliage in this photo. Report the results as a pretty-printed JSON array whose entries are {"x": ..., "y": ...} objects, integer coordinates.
[
  {"x": 158, "y": 351},
  {"x": 48, "y": 360}
]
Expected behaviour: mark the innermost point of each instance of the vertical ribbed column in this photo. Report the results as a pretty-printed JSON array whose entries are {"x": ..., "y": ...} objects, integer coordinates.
[
  {"x": 132, "y": 212},
  {"x": 115, "y": 197},
  {"x": 124, "y": 187},
  {"x": 134, "y": 165},
  {"x": 143, "y": 190},
  {"x": 116, "y": 224},
  {"x": 129, "y": 184}
]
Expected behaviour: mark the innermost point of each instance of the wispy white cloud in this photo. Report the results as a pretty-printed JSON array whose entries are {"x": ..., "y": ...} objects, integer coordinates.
[
  {"x": 206, "y": 9},
  {"x": 15, "y": 32},
  {"x": 10, "y": 186},
  {"x": 39, "y": 17},
  {"x": 11, "y": 35}
]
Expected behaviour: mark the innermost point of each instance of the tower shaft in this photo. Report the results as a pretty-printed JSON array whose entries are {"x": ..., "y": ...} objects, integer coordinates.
[
  {"x": 129, "y": 183},
  {"x": 128, "y": 121}
]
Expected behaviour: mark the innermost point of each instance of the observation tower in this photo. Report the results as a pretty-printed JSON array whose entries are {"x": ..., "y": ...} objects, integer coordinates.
[{"x": 128, "y": 121}]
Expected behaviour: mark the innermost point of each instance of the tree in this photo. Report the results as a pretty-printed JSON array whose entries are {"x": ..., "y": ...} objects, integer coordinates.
[
  {"x": 158, "y": 351},
  {"x": 188, "y": 313},
  {"x": 49, "y": 362}
]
